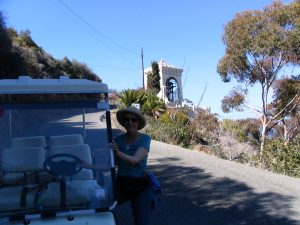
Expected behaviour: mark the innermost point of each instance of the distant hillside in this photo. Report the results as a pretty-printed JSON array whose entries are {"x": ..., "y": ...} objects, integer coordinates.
[{"x": 20, "y": 55}]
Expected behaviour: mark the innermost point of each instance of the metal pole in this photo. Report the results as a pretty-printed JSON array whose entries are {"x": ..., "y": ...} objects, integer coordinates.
[
  {"x": 142, "y": 55},
  {"x": 83, "y": 123},
  {"x": 9, "y": 119},
  {"x": 9, "y": 123}
]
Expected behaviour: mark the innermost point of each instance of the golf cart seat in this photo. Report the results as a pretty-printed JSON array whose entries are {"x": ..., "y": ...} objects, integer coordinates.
[
  {"x": 11, "y": 198},
  {"x": 70, "y": 139},
  {"x": 78, "y": 193},
  {"x": 36, "y": 141},
  {"x": 80, "y": 188},
  {"x": 21, "y": 166}
]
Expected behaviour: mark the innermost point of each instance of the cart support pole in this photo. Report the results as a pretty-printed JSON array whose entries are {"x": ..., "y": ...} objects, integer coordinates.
[
  {"x": 9, "y": 116},
  {"x": 83, "y": 122}
]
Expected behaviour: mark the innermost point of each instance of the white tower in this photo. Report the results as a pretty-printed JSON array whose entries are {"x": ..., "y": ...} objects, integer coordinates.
[{"x": 170, "y": 83}]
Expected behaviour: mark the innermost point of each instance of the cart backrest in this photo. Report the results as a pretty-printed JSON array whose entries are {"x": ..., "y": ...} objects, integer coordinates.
[
  {"x": 36, "y": 141},
  {"x": 72, "y": 139},
  {"x": 21, "y": 165}
]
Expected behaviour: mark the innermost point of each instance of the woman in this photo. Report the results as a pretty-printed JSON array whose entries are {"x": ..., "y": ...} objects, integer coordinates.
[{"x": 131, "y": 149}]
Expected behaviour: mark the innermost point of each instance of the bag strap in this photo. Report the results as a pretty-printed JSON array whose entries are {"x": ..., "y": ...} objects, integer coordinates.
[{"x": 154, "y": 182}]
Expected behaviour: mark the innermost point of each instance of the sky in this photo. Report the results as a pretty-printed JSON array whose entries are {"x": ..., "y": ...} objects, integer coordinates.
[{"x": 108, "y": 36}]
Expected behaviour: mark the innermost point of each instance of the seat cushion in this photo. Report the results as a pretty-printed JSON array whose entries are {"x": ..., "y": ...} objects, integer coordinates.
[
  {"x": 10, "y": 198},
  {"x": 36, "y": 141},
  {"x": 71, "y": 139},
  {"x": 78, "y": 192}
]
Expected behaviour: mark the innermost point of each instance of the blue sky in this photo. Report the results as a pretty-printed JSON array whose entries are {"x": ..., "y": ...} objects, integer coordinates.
[{"x": 108, "y": 37}]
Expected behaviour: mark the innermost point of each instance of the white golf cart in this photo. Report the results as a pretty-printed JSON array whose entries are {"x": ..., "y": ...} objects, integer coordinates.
[{"x": 56, "y": 164}]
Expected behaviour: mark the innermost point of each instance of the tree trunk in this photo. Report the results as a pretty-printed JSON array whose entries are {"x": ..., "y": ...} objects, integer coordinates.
[
  {"x": 285, "y": 134},
  {"x": 263, "y": 137},
  {"x": 263, "y": 133}
]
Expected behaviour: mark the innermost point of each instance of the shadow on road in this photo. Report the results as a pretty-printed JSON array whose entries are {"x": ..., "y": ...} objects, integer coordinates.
[{"x": 193, "y": 197}]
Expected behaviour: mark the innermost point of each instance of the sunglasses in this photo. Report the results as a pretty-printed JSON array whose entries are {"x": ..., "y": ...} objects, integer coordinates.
[{"x": 128, "y": 119}]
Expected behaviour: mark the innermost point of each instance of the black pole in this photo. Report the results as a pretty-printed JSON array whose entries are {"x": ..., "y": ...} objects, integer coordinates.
[{"x": 142, "y": 55}]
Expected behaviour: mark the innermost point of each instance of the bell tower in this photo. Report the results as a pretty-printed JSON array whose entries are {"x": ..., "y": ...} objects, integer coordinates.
[{"x": 170, "y": 83}]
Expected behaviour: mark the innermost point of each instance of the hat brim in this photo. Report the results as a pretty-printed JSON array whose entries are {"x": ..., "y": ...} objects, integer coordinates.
[{"x": 131, "y": 110}]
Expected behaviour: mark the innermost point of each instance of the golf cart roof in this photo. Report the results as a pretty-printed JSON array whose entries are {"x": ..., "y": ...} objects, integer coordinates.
[{"x": 62, "y": 85}]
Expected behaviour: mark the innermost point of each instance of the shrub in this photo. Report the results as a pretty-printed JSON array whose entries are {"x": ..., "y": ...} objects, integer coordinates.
[
  {"x": 176, "y": 127},
  {"x": 205, "y": 128},
  {"x": 170, "y": 130},
  {"x": 245, "y": 130},
  {"x": 280, "y": 158},
  {"x": 232, "y": 149}
]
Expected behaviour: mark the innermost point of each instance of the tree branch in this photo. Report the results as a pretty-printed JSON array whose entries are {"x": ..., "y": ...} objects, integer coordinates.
[
  {"x": 284, "y": 108},
  {"x": 202, "y": 95},
  {"x": 253, "y": 109}
]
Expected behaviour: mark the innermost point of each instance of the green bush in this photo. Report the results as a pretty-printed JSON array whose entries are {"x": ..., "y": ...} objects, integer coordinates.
[
  {"x": 205, "y": 128},
  {"x": 280, "y": 157},
  {"x": 170, "y": 130},
  {"x": 174, "y": 116},
  {"x": 233, "y": 128},
  {"x": 175, "y": 127},
  {"x": 244, "y": 130}
]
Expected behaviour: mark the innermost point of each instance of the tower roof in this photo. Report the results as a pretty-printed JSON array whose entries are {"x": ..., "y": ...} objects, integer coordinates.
[{"x": 163, "y": 63}]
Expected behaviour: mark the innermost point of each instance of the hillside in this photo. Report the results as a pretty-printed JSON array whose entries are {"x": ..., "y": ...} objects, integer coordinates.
[{"x": 20, "y": 55}]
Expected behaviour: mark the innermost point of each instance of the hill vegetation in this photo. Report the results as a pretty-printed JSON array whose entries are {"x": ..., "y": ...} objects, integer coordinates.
[{"x": 20, "y": 55}]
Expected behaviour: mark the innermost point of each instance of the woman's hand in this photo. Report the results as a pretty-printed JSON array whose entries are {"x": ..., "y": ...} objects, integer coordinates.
[{"x": 114, "y": 146}]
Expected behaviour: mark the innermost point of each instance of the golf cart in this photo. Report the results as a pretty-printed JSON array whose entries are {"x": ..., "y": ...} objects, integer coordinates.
[{"x": 56, "y": 164}]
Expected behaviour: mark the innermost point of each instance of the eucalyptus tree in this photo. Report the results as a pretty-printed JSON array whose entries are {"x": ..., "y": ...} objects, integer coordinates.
[
  {"x": 285, "y": 90},
  {"x": 260, "y": 45}
]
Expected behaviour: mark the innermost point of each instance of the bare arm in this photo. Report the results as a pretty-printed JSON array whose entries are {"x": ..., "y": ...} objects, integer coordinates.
[{"x": 140, "y": 154}]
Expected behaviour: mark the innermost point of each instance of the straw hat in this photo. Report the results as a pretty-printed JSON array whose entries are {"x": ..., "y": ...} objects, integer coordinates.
[{"x": 131, "y": 110}]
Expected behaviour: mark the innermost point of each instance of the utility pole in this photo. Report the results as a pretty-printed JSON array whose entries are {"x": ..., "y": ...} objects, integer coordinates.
[{"x": 142, "y": 55}]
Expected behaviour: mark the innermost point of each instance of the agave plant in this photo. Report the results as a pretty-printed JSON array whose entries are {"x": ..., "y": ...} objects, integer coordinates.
[
  {"x": 153, "y": 105},
  {"x": 129, "y": 96}
]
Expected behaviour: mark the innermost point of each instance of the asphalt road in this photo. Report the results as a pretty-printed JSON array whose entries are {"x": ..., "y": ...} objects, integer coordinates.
[{"x": 200, "y": 189}]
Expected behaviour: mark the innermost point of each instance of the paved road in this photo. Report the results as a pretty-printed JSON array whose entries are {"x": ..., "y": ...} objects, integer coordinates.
[{"x": 204, "y": 190}]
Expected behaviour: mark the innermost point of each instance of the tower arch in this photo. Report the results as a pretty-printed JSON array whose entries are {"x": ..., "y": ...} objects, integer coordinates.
[
  {"x": 172, "y": 89},
  {"x": 170, "y": 83}
]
